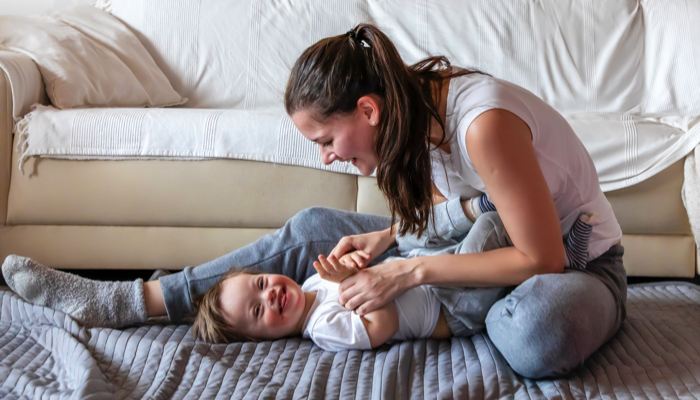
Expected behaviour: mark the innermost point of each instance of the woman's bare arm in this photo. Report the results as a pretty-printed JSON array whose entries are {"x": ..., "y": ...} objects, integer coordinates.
[{"x": 500, "y": 147}]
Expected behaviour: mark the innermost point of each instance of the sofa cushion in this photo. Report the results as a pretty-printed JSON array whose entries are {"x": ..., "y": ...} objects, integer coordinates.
[
  {"x": 215, "y": 193},
  {"x": 88, "y": 58},
  {"x": 653, "y": 206},
  {"x": 123, "y": 247}
]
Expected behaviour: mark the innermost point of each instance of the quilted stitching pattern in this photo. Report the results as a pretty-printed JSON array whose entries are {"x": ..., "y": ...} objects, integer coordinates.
[{"x": 44, "y": 352}]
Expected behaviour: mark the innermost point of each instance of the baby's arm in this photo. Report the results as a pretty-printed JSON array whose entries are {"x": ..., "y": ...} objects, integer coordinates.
[
  {"x": 381, "y": 324},
  {"x": 333, "y": 270}
]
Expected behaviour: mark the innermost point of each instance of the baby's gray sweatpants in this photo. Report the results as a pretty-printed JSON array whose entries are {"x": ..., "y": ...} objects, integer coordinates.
[{"x": 546, "y": 326}]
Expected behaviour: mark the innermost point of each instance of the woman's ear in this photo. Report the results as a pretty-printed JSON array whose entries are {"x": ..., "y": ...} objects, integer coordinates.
[{"x": 369, "y": 107}]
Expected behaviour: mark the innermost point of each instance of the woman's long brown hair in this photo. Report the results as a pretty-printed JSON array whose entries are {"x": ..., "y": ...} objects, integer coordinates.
[{"x": 330, "y": 77}]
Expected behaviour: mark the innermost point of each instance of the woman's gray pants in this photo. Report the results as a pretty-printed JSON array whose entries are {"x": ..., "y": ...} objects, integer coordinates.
[{"x": 546, "y": 326}]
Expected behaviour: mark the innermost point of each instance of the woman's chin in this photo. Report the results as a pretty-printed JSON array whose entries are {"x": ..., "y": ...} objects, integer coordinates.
[{"x": 364, "y": 170}]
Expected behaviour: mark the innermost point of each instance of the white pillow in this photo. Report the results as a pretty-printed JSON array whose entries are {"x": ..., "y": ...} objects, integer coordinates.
[{"x": 88, "y": 58}]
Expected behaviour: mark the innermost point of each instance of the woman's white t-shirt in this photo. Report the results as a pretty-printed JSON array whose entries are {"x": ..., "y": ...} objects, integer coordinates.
[{"x": 565, "y": 162}]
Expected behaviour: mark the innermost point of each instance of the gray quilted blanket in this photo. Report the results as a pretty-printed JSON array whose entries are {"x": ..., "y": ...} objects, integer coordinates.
[{"x": 45, "y": 354}]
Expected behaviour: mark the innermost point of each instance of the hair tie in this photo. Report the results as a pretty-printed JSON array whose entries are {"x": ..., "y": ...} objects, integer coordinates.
[{"x": 352, "y": 34}]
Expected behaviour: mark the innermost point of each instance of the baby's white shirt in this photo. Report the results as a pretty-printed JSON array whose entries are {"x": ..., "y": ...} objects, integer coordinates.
[
  {"x": 334, "y": 328},
  {"x": 329, "y": 324}
]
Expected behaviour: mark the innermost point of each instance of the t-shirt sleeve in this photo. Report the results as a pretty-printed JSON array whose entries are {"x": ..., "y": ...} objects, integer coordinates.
[
  {"x": 496, "y": 95},
  {"x": 334, "y": 328}
]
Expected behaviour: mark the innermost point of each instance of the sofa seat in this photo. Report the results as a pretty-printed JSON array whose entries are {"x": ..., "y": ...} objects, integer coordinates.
[{"x": 211, "y": 193}]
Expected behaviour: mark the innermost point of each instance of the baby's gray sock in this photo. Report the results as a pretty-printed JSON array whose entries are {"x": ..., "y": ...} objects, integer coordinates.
[{"x": 92, "y": 303}]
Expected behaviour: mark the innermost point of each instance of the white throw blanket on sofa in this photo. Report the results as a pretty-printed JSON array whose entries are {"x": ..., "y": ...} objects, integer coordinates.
[
  {"x": 626, "y": 149},
  {"x": 168, "y": 133},
  {"x": 691, "y": 192}
]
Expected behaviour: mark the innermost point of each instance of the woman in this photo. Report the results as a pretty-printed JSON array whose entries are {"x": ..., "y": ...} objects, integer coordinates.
[{"x": 432, "y": 132}]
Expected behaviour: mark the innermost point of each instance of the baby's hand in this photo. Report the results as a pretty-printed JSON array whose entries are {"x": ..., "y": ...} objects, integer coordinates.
[
  {"x": 334, "y": 270},
  {"x": 356, "y": 259}
]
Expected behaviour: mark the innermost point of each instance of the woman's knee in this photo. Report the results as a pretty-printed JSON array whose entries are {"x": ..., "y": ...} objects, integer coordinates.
[
  {"x": 311, "y": 215},
  {"x": 333, "y": 224},
  {"x": 551, "y": 324},
  {"x": 316, "y": 223}
]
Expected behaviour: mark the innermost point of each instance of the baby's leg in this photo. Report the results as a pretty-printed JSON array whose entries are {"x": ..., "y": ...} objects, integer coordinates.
[
  {"x": 465, "y": 308},
  {"x": 449, "y": 222},
  {"x": 576, "y": 241},
  {"x": 493, "y": 235}
]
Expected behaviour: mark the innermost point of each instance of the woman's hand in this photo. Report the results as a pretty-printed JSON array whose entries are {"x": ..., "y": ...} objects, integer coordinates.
[
  {"x": 370, "y": 244},
  {"x": 372, "y": 288}
]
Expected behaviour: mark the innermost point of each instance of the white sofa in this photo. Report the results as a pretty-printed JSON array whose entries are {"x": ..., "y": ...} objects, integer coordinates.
[{"x": 140, "y": 214}]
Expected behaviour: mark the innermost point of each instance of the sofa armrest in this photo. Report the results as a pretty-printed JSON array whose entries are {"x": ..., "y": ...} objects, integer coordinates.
[
  {"x": 24, "y": 82},
  {"x": 21, "y": 86},
  {"x": 6, "y": 125}
]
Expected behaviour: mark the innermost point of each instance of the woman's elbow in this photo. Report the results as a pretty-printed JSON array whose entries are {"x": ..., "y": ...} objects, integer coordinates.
[
  {"x": 552, "y": 263},
  {"x": 551, "y": 267},
  {"x": 549, "y": 262}
]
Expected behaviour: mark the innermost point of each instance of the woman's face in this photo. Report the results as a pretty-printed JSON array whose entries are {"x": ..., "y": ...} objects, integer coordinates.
[{"x": 345, "y": 137}]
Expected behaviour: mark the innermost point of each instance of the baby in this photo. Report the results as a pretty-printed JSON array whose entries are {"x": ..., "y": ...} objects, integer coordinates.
[
  {"x": 250, "y": 306},
  {"x": 246, "y": 305}
]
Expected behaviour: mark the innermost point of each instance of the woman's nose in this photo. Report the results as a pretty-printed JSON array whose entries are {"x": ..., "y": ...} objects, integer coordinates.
[{"x": 327, "y": 156}]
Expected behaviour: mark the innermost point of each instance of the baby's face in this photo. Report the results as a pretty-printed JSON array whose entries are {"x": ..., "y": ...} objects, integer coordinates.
[{"x": 264, "y": 307}]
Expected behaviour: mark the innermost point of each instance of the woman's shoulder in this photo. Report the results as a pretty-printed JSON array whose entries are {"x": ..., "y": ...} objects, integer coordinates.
[
  {"x": 478, "y": 84},
  {"x": 476, "y": 93},
  {"x": 464, "y": 73},
  {"x": 472, "y": 92}
]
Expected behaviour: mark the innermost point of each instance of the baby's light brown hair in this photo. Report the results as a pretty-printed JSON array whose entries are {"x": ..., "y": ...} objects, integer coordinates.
[{"x": 208, "y": 323}]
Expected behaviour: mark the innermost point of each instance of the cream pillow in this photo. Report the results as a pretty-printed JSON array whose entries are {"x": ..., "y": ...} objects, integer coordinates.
[{"x": 88, "y": 58}]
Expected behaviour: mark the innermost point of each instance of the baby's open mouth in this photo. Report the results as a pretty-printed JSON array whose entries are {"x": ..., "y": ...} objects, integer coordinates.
[{"x": 283, "y": 300}]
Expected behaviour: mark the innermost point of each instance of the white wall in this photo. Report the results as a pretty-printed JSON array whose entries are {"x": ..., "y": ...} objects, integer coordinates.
[{"x": 27, "y": 7}]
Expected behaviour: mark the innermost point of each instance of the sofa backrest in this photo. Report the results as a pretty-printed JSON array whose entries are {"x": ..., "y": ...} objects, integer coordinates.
[{"x": 624, "y": 56}]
